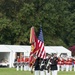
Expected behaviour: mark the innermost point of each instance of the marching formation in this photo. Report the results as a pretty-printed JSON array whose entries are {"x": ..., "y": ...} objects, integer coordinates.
[
  {"x": 48, "y": 66},
  {"x": 66, "y": 64},
  {"x": 22, "y": 63}
]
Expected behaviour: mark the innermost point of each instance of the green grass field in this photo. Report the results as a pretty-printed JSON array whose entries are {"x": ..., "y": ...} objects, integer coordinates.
[{"x": 12, "y": 71}]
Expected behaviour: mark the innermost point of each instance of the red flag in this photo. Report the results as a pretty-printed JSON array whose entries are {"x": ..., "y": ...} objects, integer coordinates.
[
  {"x": 34, "y": 45},
  {"x": 34, "y": 42}
]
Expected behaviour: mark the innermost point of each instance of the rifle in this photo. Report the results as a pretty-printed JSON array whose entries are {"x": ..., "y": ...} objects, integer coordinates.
[
  {"x": 48, "y": 65},
  {"x": 42, "y": 63}
]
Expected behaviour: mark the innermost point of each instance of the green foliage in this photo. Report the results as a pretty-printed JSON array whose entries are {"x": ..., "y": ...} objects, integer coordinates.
[
  {"x": 57, "y": 18},
  {"x": 5, "y": 29}
]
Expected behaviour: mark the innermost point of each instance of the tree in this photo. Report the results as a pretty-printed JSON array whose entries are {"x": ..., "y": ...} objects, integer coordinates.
[{"x": 57, "y": 18}]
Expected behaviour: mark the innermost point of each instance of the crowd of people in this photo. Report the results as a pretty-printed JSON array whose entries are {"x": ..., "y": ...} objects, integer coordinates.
[
  {"x": 46, "y": 66},
  {"x": 66, "y": 64},
  {"x": 22, "y": 63},
  {"x": 49, "y": 66}
]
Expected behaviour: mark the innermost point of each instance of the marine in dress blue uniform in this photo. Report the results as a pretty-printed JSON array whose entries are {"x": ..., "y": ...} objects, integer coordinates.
[
  {"x": 37, "y": 66},
  {"x": 54, "y": 64}
]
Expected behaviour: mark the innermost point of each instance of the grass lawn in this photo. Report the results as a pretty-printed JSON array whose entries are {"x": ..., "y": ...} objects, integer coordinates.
[{"x": 12, "y": 71}]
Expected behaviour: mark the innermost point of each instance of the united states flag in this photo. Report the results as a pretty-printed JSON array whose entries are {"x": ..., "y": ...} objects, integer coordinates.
[{"x": 41, "y": 53}]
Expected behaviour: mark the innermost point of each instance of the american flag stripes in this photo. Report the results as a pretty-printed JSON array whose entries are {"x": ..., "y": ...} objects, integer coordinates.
[
  {"x": 37, "y": 46},
  {"x": 41, "y": 53}
]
